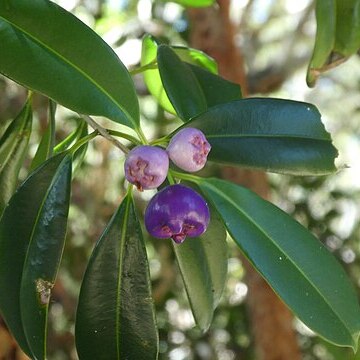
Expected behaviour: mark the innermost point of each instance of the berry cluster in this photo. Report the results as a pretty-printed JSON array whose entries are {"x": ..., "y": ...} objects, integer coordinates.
[{"x": 176, "y": 211}]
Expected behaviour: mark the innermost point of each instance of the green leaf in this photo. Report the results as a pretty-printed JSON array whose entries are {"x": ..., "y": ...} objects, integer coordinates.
[
  {"x": 271, "y": 134},
  {"x": 325, "y": 38},
  {"x": 337, "y": 35},
  {"x": 4, "y": 123},
  {"x": 191, "y": 88},
  {"x": 68, "y": 62},
  {"x": 203, "y": 266},
  {"x": 215, "y": 89},
  {"x": 43, "y": 258},
  {"x": 80, "y": 153},
  {"x": 115, "y": 316},
  {"x": 195, "y": 57},
  {"x": 180, "y": 83},
  {"x": 347, "y": 27},
  {"x": 20, "y": 227},
  {"x": 13, "y": 145},
  {"x": 72, "y": 137},
  {"x": 295, "y": 264},
  {"x": 80, "y": 132},
  {"x": 47, "y": 143},
  {"x": 152, "y": 76},
  {"x": 193, "y": 3}
]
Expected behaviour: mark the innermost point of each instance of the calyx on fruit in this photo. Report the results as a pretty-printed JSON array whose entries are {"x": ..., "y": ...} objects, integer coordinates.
[
  {"x": 146, "y": 167},
  {"x": 188, "y": 149}
]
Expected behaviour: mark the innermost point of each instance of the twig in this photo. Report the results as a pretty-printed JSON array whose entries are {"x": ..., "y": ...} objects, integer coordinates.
[{"x": 103, "y": 132}]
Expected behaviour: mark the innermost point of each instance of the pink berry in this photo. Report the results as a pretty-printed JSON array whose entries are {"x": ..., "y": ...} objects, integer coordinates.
[
  {"x": 188, "y": 149},
  {"x": 146, "y": 167}
]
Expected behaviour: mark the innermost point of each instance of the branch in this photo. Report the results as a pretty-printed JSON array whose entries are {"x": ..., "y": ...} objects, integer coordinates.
[{"x": 103, "y": 132}]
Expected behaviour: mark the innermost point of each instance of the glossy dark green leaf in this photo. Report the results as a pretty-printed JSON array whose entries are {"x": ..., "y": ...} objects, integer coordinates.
[
  {"x": 47, "y": 143},
  {"x": 13, "y": 145},
  {"x": 203, "y": 266},
  {"x": 180, "y": 83},
  {"x": 194, "y": 3},
  {"x": 347, "y": 27},
  {"x": 296, "y": 265},
  {"x": 43, "y": 258},
  {"x": 325, "y": 38},
  {"x": 67, "y": 62},
  {"x": 19, "y": 223},
  {"x": 152, "y": 77},
  {"x": 115, "y": 316},
  {"x": 191, "y": 88},
  {"x": 272, "y": 134},
  {"x": 215, "y": 89}
]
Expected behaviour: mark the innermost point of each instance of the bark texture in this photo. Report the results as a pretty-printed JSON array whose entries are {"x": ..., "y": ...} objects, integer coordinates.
[{"x": 274, "y": 337}]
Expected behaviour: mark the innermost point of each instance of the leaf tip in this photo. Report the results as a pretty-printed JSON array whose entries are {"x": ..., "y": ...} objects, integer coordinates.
[{"x": 311, "y": 77}]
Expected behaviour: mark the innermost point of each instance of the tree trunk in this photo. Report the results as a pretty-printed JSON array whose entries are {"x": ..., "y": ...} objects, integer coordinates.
[{"x": 271, "y": 321}]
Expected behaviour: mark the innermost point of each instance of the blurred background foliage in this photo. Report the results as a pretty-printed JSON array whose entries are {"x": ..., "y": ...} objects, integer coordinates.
[{"x": 276, "y": 39}]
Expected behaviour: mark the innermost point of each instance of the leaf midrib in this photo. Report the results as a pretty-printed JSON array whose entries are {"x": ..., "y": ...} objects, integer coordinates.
[
  {"x": 220, "y": 193},
  {"x": 86, "y": 76}
]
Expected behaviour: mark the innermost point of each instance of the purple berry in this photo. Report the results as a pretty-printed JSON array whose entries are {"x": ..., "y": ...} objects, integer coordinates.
[
  {"x": 146, "y": 166},
  {"x": 176, "y": 212},
  {"x": 188, "y": 149}
]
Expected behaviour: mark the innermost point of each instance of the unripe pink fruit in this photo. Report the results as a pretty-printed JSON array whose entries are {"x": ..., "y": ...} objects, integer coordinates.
[
  {"x": 188, "y": 149},
  {"x": 146, "y": 167}
]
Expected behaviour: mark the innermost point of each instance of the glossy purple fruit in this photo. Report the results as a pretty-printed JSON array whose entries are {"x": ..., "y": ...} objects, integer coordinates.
[
  {"x": 146, "y": 166},
  {"x": 188, "y": 149},
  {"x": 176, "y": 212}
]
